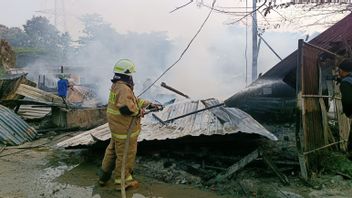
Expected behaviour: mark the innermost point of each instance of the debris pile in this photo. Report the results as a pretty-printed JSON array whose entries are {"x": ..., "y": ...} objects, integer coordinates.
[
  {"x": 44, "y": 110},
  {"x": 84, "y": 96}
]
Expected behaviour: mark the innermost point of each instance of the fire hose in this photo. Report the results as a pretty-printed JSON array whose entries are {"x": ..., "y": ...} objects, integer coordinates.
[{"x": 125, "y": 152}]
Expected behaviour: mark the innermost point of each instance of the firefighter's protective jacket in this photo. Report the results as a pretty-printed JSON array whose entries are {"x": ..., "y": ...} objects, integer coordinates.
[{"x": 122, "y": 107}]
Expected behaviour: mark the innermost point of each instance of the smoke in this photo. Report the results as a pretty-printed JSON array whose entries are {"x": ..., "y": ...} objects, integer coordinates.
[
  {"x": 102, "y": 46},
  {"x": 214, "y": 66}
]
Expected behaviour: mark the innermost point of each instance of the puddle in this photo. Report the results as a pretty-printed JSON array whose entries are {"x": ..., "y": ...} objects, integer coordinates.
[{"x": 46, "y": 186}]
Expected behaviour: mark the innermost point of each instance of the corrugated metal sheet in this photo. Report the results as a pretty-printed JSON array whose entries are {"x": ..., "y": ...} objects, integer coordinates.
[
  {"x": 341, "y": 31},
  {"x": 33, "y": 112},
  {"x": 203, "y": 123},
  {"x": 38, "y": 94},
  {"x": 13, "y": 130}
]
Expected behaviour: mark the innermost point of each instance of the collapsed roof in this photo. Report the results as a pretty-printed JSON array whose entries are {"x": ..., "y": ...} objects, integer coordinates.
[{"x": 219, "y": 121}]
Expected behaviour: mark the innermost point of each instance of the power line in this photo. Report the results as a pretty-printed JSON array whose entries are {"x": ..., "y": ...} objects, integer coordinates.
[
  {"x": 191, "y": 1},
  {"x": 184, "y": 51},
  {"x": 250, "y": 13}
]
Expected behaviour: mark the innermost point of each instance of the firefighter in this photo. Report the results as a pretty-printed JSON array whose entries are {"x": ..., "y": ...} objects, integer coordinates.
[
  {"x": 345, "y": 72},
  {"x": 123, "y": 108}
]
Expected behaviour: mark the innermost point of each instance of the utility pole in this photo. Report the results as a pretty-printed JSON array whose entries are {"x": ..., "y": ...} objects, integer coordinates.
[{"x": 254, "y": 42}]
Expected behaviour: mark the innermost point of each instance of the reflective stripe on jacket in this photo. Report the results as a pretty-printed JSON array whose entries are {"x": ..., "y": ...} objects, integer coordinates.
[{"x": 122, "y": 95}]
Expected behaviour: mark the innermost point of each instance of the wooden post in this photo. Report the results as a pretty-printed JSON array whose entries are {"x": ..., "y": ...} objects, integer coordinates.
[
  {"x": 311, "y": 109},
  {"x": 301, "y": 158}
]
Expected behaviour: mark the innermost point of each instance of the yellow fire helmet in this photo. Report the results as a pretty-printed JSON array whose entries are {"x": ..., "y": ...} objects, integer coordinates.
[{"x": 125, "y": 66}]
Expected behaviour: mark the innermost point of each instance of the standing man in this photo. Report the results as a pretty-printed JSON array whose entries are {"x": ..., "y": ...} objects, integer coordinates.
[
  {"x": 345, "y": 72},
  {"x": 62, "y": 86},
  {"x": 123, "y": 109}
]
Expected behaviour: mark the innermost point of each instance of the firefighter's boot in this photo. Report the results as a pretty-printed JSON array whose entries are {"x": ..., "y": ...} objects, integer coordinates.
[
  {"x": 130, "y": 185},
  {"x": 104, "y": 177}
]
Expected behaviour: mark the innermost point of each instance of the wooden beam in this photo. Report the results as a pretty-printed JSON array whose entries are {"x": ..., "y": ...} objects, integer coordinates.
[
  {"x": 237, "y": 166},
  {"x": 282, "y": 177}
]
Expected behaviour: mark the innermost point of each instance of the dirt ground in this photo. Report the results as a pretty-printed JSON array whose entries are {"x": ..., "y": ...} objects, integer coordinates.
[
  {"x": 47, "y": 172},
  {"x": 39, "y": 170}
]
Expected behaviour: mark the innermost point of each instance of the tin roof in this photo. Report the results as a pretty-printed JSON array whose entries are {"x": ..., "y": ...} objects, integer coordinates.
[
  {"x": 13, "y": 130},
  {"x": 341, "y": 31},
  {"x": 219, "y": 121},
  {"x": 28, "y": 112}
]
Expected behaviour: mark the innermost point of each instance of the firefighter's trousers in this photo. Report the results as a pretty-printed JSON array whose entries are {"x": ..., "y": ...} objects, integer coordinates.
[{"x": 114, "y": 155}]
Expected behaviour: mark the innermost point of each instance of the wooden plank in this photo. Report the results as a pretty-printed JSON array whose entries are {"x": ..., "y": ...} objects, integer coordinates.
[
  {"x": 282, "y": 177},
  {"x": 237, "y": 166}
]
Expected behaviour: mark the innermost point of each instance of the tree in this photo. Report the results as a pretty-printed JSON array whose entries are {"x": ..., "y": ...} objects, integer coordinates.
[
  {"x": 97, "y": 30},
  {"x": 15, "y": 36},
  {"x": 44, "y": 36}
]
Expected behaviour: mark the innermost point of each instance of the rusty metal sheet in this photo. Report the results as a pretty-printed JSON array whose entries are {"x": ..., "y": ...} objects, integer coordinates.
[
  {"x": 202, "y": 123},
  {"x": 13, "y": 130}
]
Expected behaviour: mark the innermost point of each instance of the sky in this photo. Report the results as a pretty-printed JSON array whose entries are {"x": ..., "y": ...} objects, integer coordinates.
[{"x": 218, "y": 42}]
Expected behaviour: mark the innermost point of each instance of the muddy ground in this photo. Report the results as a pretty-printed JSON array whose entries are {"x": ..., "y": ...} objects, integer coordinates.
[{"x": 40, "y": 170}]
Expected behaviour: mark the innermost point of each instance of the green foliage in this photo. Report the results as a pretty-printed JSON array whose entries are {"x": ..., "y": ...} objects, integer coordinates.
[
  {"x": 38, "y": 39},
  {"x": 28, "y": 50},
  {"x": 338, "y": 162},
  {"x": 2, "y": 70},
  {"x": 15, "y": 36},
  {"x": 44, "y": 36}
]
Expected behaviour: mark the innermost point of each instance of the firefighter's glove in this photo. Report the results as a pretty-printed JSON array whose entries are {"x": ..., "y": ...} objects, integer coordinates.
[
  {"x": 141, "y": 113},
  {"x": 155, "y": 107}
]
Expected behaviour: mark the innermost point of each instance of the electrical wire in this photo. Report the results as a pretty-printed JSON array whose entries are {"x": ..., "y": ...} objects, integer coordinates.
[
  {"x": 183, "y": 52},
  {"x": 249, "y": 14},
  {"x": 182, "y": 6}
]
